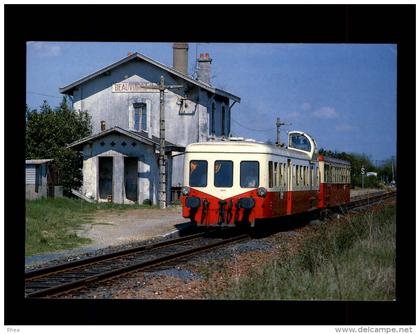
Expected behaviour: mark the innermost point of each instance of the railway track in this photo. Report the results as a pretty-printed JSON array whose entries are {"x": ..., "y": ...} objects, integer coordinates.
[
  {"x": 369, "y": 199},
  {"x": 52, "y": 281},
  {"x": 75, "y": 275}
]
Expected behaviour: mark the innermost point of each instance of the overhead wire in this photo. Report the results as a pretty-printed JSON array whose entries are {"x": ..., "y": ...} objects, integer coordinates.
[
  {"x": 58, "y": 97},
  {"x": 251, "y": 129}
]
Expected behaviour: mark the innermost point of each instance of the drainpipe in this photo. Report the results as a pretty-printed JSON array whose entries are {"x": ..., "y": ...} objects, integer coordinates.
[{"x": 230, "y": 117}]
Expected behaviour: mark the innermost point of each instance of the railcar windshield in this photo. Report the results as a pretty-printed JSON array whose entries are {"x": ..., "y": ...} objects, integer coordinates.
[
  {"x": 198, "y": 173},
  {"x": 223, "y": 173},
  {"x": 250, "y": 174},
  {"x": 300, "y": 142}
]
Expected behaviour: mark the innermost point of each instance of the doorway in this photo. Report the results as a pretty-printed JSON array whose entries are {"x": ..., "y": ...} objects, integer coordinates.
[
  {"x": 131, "y": 178},
  {"x": 105, "y": 177}
]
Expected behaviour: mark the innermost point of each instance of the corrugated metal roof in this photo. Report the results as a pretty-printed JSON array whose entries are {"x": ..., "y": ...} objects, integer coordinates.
[
  {"x": 69, "y": 88},
  {"x": 37, "y": 161}
]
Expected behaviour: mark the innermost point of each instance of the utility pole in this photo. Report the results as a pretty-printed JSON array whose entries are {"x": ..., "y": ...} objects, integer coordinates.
[
  {"x": 278, "y": 125},
  {"x": 162, "y": 156}
]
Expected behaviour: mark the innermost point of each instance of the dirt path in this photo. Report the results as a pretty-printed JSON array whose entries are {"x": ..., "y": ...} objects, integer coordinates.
[{"x": 111, "y": 228}]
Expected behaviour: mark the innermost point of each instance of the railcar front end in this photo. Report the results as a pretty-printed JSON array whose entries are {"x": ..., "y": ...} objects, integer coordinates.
[{"x": 222, "y": 189}]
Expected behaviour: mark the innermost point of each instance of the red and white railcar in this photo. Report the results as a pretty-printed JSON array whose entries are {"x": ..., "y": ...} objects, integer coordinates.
[{"x": 227, "y": 183}]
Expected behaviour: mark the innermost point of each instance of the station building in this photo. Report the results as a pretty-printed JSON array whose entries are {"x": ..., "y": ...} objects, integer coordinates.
[{"x": 120, "y": 158}]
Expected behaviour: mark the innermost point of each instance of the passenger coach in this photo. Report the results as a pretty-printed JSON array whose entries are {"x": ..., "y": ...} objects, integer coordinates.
[{"x": 233, "y": 182}]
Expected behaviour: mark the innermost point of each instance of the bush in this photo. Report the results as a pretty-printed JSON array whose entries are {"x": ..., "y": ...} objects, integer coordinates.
[{"x": 147, "y": 202}]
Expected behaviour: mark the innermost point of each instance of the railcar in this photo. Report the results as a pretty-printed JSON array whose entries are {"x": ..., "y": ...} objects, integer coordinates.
[{"x": 236, "y": 181}]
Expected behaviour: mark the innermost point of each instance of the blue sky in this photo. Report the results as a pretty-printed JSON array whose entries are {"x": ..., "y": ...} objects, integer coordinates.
[{"x": 344, "y": 95}]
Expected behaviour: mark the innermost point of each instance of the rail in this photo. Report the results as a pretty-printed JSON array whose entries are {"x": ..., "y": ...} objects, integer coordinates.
[
  {"x": 78, "y": 274},
  {"x": 63, "y": 278}
]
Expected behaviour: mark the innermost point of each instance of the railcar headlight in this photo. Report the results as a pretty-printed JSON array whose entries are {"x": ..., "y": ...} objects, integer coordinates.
[
  {"x": 262, "y": 192},
  {"x": 185, "y": 191},
  {"x": 246, "y": 203},
  {"x": 192, "y": 202}
]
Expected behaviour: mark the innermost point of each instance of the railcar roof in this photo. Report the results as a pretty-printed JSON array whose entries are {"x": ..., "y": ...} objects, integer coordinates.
[
  {"x": 242, "y": 147},
  {"x": 335, "y": 161}
]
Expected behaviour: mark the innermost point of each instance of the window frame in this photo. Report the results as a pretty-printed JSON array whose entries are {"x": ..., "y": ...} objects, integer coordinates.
[
  {"x": 207, "y": 174},
  {"x": 258, "y": 175},
  {"x": 141, "y": 109},
  {"x": 232, "y": 174}
]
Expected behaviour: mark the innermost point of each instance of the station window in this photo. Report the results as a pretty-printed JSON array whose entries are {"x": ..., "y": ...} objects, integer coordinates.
[
  {"x": 198, "y": 173},
  {"x": 212, "y": 115},
  {"x": 250, "y": 174},
  {"x": 140, "y": 116},
  {"x": 223, "y": 173}
]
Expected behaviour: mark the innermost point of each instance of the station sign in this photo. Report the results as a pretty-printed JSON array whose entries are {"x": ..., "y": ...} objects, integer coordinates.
[{"x": 134, "y": 87}]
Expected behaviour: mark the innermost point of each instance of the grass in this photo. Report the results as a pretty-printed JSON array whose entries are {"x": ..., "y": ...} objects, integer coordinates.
[
  {"x": 51, "y": 224},
  {"x": 349, "y": 260}
]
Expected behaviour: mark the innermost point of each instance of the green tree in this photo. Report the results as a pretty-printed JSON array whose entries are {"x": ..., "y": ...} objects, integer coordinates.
[{"x": 48, "y": 131}]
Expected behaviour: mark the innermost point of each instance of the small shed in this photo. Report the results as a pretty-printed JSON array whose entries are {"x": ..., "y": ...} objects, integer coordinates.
[
  {"x": 122, "y": 166},
  {"x": 41, "y": 179}
]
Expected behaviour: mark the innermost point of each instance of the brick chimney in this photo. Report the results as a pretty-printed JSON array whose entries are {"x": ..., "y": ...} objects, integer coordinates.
[
  {"x": 204, "y": 68},
  {"x": 180, "y": 57}
]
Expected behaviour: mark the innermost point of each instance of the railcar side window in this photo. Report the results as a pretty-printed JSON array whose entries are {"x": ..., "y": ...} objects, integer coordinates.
[
  {"x": 270, "y": 174},
  {"x": 250, "y": 174},
  {"x": 327, "y": 174},
  {"x": 223, "y": 173},
  {"x": 275, "y": 170},
  {"x": 198, "y": 173},
  {"x": 284, "y": 175}
]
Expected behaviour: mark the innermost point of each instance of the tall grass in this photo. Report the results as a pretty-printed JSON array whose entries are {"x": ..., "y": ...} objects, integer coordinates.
[
  {"x": 353, "y": 259},
  {"x": 51, "y": 224}
]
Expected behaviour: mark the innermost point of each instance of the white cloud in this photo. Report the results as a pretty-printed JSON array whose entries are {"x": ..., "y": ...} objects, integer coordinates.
[
  {"x": 346, "y": 128},
  {"x": 306, "y": 106},
  {"x": 293, "y": 114},
  {"x": 325, "y": 112},
  {"x": 46, "y": 49}
]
